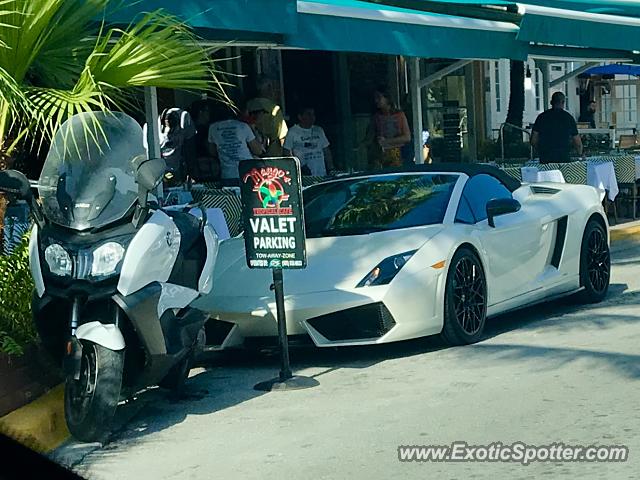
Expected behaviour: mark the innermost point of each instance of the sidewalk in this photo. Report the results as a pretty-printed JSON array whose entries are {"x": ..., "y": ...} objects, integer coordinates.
[{"x": 625, "y": 235}]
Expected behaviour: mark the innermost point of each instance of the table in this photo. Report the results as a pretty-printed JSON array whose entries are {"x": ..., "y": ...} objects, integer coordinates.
[
  {"x": 225, "y": 199},
  {"x": 534, "y": 175},
  {"x": 603, "y": 177},
  {"x": 627, "y": 167},
  {"x": 621, "y": 173},
  {"x": 574, "y": 172}
]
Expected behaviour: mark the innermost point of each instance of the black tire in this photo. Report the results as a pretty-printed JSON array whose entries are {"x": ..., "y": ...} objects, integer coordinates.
[
  {"x": 90, "y": 403},
  {"x": 465, "y": 299},
  {"x": 595, "y": 263},
  {"x": 177, "y": 376}
]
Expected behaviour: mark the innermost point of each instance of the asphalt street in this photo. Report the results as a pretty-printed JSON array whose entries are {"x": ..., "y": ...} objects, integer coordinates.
[{"x": 558, "y": 372}]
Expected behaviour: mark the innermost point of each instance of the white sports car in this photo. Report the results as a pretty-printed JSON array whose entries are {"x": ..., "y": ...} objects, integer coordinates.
[{"x": 430, "y": 250}]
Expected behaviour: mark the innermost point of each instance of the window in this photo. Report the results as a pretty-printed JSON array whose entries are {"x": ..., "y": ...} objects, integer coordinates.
[
  {"x": 378, "y": 203},
  {"x": 627, "y": 95},
  {"x": 477, "y": 193},
  {"x": 496, "y": 74},
  {"x": 464, "y": 214}
]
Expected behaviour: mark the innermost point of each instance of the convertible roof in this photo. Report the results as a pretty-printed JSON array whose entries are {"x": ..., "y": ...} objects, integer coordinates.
[{"x": 470, "y": 169}]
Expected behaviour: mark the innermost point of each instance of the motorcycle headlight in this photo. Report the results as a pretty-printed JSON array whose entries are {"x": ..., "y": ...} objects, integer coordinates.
[
  {"x": 105, "y": 259},
  {"x": 386, "y": 270},
  {"x": 58, "y": 260}
]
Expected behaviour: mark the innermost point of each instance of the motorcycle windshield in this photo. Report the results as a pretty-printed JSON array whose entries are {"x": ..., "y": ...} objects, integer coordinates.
[{"x": 88, "y": 178}]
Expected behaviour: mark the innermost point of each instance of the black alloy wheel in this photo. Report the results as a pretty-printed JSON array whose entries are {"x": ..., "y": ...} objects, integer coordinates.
[
  {"x": 595, "y": 263},
  {"x": 465, "y": 299}
]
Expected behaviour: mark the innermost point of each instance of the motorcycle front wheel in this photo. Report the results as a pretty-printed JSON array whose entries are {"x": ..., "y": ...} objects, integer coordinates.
[{"x": 90, "y": 402}]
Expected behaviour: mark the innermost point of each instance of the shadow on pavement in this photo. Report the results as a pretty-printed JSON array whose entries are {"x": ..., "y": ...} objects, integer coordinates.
[
  {"x": 549, "y": 358},
  {"x": 227, "y": 380}
]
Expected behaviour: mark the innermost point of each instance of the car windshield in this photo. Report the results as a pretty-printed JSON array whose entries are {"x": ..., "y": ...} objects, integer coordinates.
[
  {"x": 88, "y": 180},
  {"x": 372, "y": 204}
]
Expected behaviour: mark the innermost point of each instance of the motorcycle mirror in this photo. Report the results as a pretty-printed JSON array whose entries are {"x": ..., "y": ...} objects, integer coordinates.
[
  {"x": 15, "y": 182},
  {"x": 150, "y": 172}
]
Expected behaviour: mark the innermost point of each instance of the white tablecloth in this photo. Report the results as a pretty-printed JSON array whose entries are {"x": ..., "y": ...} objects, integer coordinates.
[
  {"x": 533, "y": 175},
  {"x": 603, "y": 176}
]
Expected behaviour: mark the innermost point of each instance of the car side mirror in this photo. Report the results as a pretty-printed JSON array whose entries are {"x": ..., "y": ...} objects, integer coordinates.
[
  {"x": 501, "y": 206},
  {"x": 149, "y": 173},
  {"x": 15, "y": 183}
]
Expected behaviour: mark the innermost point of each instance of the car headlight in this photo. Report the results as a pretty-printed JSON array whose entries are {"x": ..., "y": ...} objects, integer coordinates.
[
  {"x": 105, "y": 259},
  {"x": 386, "y": 270},
  {"x": 58, "y": 260}
]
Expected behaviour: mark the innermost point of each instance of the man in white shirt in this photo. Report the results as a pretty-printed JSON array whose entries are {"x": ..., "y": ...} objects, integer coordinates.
[
  {"x": 230, "y": 142},
  {"x": 308, "y": 142}
]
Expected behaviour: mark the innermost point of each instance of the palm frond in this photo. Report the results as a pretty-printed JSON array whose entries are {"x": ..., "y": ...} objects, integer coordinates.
[
  {"x": 156, "y": 51},
  {"x": 60, "y": 60},
  {"x": 14, "y": 106},
  {"x": 52, "y": 107},
  {"x": 67, "y": 44}
]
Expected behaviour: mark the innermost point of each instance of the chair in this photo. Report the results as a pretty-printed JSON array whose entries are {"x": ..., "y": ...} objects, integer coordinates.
[{"x": 629, "y": 142}]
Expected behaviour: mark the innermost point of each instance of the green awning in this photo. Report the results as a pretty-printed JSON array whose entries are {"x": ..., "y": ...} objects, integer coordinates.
[
  {"x": 358, "y": 26},
  {"x": 263, "y": 16},
  {"x": 610, "y": 7},
  {"x": 560, "y": 26}
]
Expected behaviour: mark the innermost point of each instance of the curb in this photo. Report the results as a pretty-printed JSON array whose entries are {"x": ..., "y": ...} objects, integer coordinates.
[
  {"x": 625, "y": 233},
  {"x": 39, "y": 425}
]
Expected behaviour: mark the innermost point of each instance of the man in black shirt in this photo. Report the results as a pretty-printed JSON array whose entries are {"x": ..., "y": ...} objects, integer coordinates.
[{"x": 554, "y": 132}]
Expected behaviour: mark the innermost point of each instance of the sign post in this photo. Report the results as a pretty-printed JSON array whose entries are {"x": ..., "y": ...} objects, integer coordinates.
[{"x": 274, "y": 237}]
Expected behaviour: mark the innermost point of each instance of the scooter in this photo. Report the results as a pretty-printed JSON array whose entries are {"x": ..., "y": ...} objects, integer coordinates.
[{"x": 115, "y": 274}]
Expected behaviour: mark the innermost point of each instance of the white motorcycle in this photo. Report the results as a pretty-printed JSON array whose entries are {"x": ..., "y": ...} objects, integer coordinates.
[{"x": 115, "y": 275}]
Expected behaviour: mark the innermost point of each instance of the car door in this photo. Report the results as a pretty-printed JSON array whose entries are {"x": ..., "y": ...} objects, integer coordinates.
[{"x": 515, "y": 254}]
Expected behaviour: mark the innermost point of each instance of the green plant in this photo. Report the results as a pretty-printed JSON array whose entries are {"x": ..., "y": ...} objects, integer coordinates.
[
  {"x": 9, "y": 346},
  {"x": 16, "y": 326},
  {"x": 56, "y": 60}
]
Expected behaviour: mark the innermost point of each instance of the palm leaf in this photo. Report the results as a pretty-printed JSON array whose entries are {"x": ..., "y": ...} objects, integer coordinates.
[
  {"x": 59, "y": 61},
  {"x": 156, "y": 51},
  {"x": 68, "y": 43}
]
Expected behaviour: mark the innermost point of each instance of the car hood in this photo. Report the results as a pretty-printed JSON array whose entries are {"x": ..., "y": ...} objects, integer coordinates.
[{"x": 332, "y": 263}]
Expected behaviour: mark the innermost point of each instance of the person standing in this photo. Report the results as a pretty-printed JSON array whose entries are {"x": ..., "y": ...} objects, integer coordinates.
[
  {"x": 388, "y": 132},
  {"x": 271, "y": 123},
  {"x": 555, "y": 131},
  {"x": 589, "y": 115},
  {"x": 231, "y": 141},
  {"x": 308, "y": 142}
]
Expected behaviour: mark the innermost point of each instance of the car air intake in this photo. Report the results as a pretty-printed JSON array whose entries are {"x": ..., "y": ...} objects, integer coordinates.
[
  {"x": 217, "y": 332},
  {"x": 360, "y": 323},
  {"x": 544, "y": 190}
]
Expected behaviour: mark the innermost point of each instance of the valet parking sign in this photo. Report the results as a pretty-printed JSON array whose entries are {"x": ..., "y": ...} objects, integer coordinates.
[{"x": 272, "y": 213}]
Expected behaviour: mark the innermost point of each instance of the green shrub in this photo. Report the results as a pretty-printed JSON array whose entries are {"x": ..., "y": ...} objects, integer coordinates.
[{"x": 16, "y": 287}]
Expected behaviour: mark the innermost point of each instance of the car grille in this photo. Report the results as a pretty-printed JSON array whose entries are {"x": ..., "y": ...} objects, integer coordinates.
[{"x": 360, "y": 323}]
